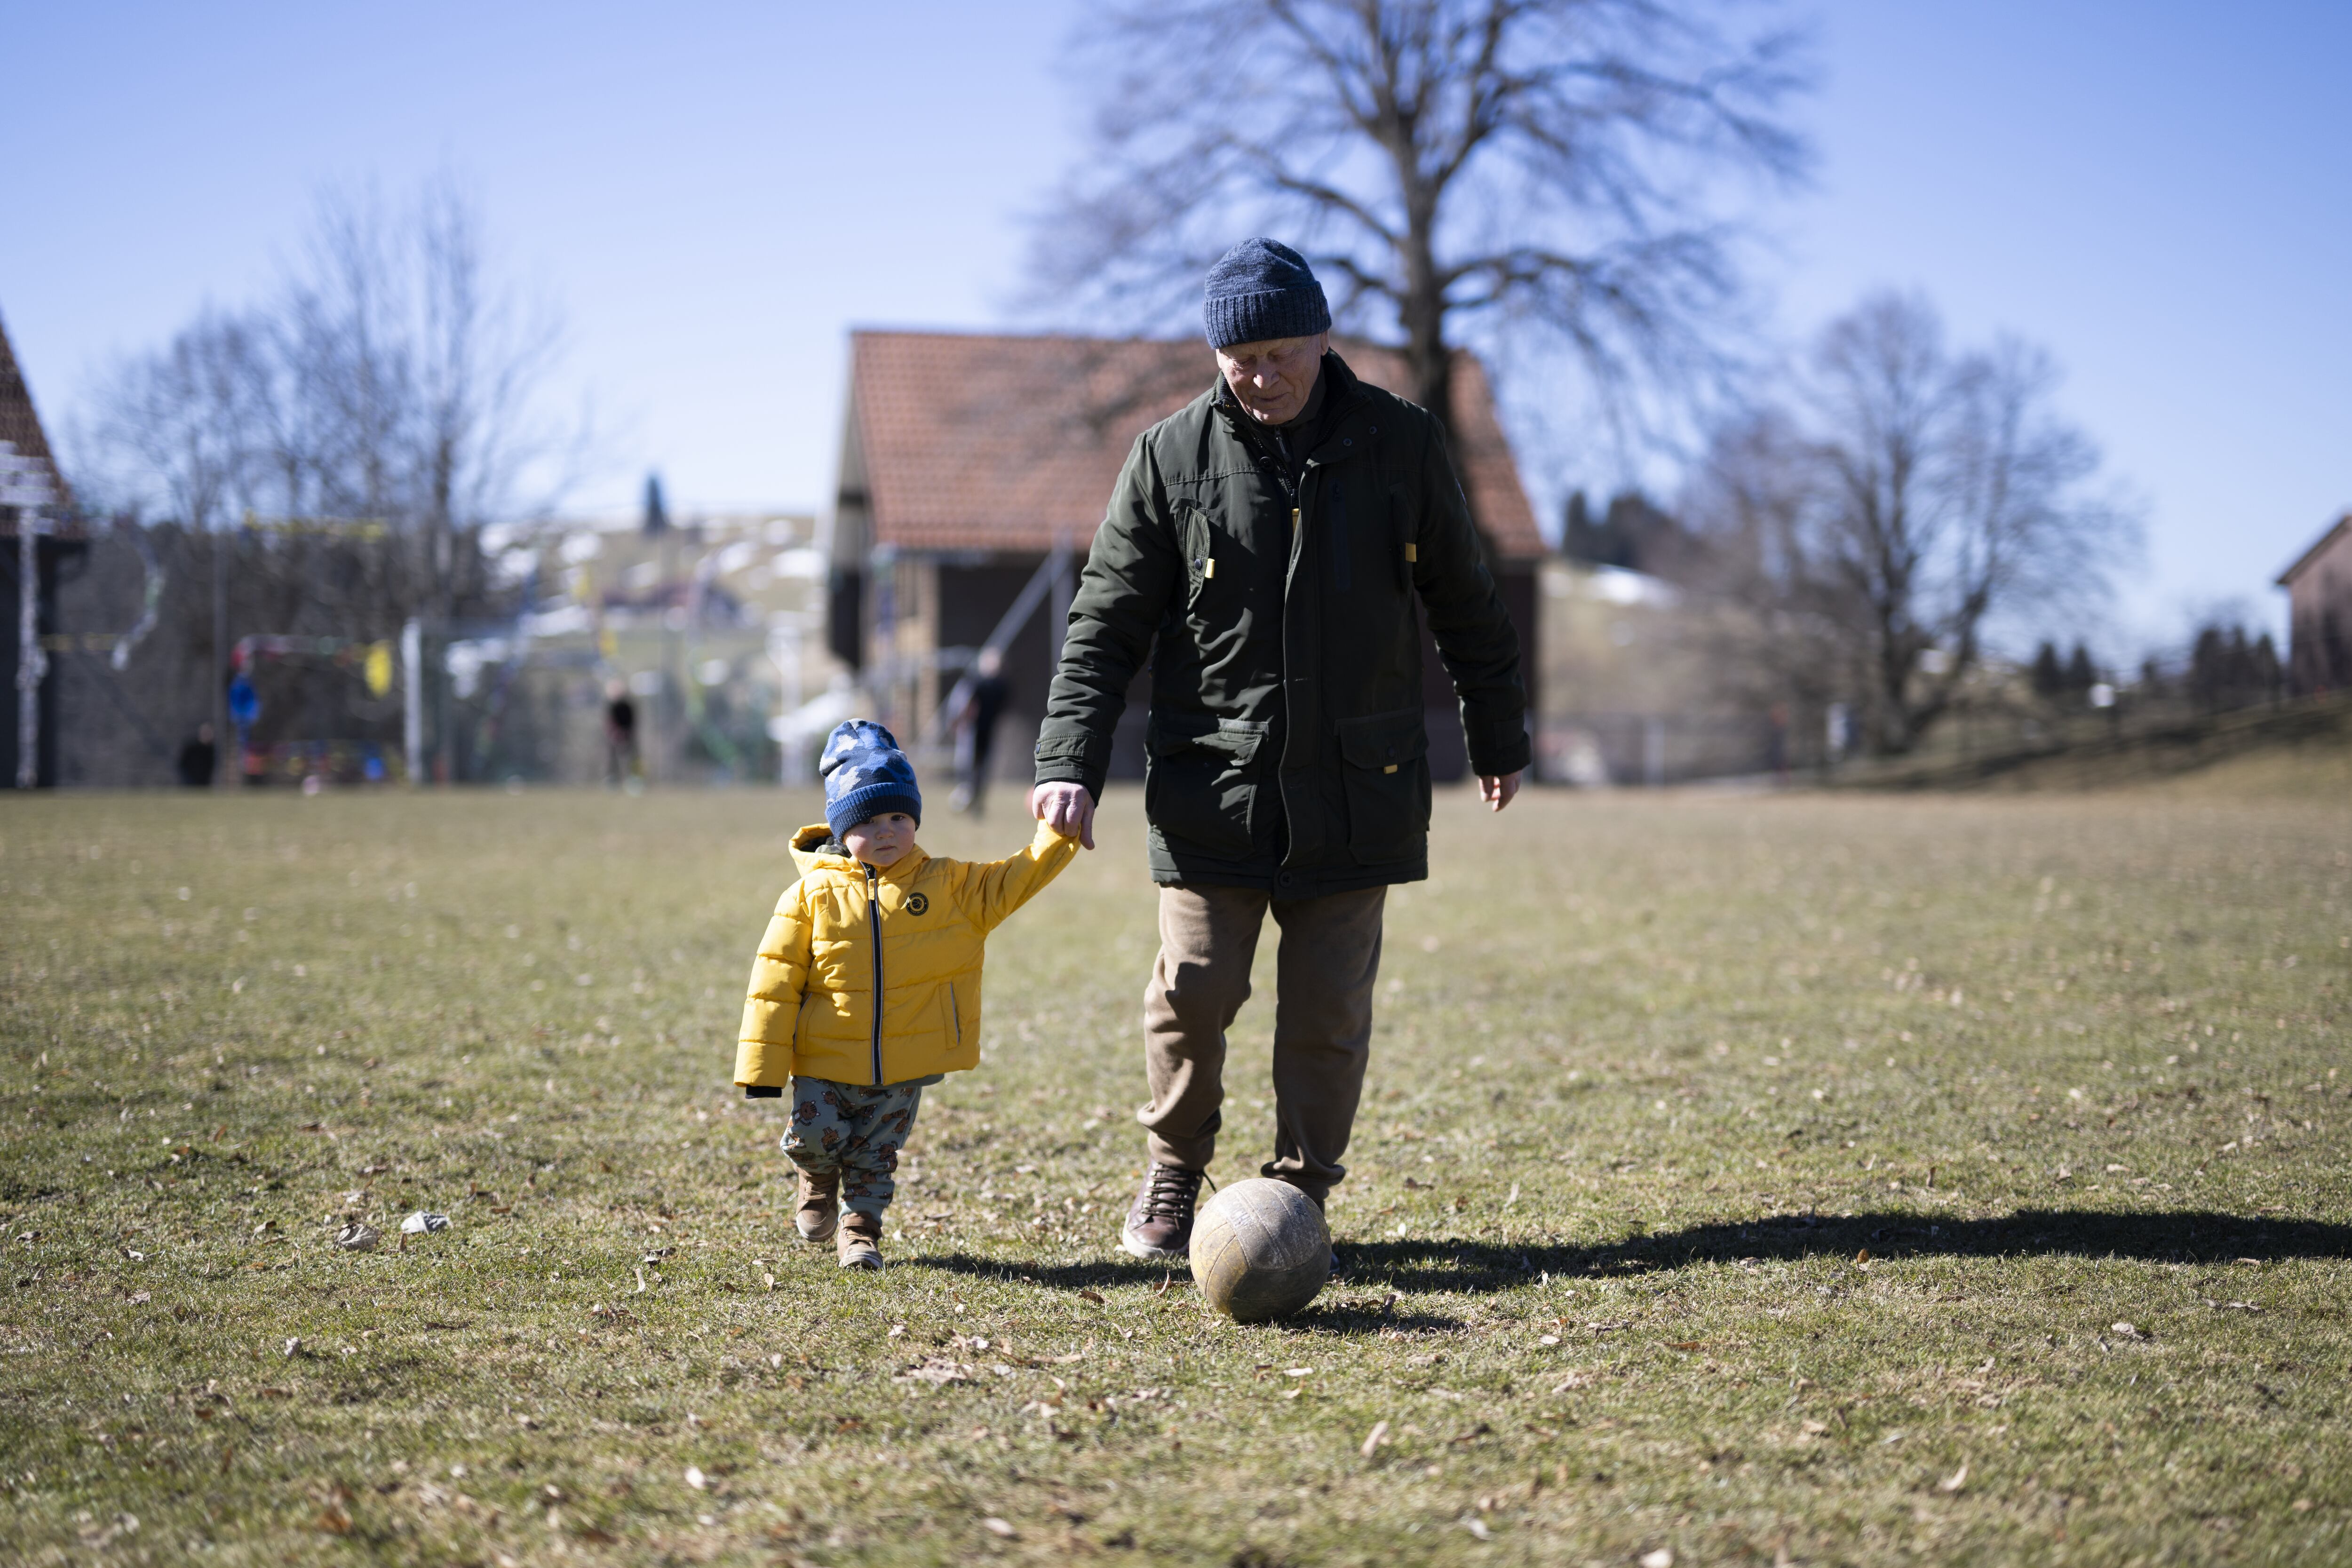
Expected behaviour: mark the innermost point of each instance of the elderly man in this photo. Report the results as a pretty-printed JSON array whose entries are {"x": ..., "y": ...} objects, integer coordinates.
[{"x": 1265, "y": 547}]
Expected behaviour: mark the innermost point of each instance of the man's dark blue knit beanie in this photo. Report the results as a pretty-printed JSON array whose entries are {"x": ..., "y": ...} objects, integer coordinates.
[
  {"x": 1262, "y": 288},
  {"x": 866, "y": 774}
]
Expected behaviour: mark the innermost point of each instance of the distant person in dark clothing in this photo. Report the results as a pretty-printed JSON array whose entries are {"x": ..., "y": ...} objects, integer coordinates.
[
  {"x": 977, "y": 703},
  {"x": 199, "y": 759},
  {"x": 620, "y": 734}
]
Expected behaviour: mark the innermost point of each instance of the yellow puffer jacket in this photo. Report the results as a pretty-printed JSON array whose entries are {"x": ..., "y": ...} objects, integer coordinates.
[{"x": 915, "y": 932}]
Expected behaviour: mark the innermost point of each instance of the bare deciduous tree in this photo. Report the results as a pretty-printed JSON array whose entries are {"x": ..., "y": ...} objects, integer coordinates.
[
  {"x": 391, "y": 388},
  {"x": 390, "y": 380},
  {"x": 1901, "y": 504},
  {"x": 1549, "y": 162}
]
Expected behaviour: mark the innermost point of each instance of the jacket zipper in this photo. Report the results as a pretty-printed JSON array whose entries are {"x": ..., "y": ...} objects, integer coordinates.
[{"x": 873, "y": 924}]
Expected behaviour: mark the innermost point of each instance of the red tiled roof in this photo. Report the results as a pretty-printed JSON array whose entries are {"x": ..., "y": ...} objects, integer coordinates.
[
  {"x": 20, "y": 424},
  {"x": 2319, "y": 547},
  {"x": 979, "y": 442}
]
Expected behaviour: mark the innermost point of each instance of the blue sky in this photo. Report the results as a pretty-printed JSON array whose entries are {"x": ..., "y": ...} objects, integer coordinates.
[{"x": 714, "y": 193}]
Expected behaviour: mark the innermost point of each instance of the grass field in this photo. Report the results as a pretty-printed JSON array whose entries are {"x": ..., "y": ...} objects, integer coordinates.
[{"x": 1754, "y": 1180}]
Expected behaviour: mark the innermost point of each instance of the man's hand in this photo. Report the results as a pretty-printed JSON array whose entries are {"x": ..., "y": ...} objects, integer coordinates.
[
  {"x": 1067, "y": 808},
  {"x": 1496, "y": 790}
]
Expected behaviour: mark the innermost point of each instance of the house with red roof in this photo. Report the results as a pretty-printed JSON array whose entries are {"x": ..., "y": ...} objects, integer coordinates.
[
  {"x": 974, "y": 469},
  {"x": 2319, "y": 612}
]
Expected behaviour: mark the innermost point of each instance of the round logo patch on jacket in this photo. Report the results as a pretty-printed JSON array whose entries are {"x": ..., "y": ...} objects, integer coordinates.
[{"x": 919, "y": 903}]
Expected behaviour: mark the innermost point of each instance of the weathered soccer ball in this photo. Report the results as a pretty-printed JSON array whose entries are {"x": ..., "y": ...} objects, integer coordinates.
[{"x": 1260, "y": 1250}]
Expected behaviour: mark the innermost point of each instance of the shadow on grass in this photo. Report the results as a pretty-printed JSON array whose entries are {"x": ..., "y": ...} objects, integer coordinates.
[
  {"x": 1331, "y": 1313},
  {"x": 1436, "y": 1265},
  {"x": 2173, "y": 1236}
]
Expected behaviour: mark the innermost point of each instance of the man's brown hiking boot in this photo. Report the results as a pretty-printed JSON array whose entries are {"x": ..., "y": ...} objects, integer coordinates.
[
  {"x": 1159, "y": 1225},
  {"x": 860, "y": 1240},
  {"x": 819, "y": 1196}
]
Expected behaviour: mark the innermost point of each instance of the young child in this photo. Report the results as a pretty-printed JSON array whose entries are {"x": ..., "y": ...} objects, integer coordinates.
[{"x": 867, "y": 987}]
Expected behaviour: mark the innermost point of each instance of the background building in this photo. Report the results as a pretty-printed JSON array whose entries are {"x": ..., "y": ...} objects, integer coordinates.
[
  {"x": 20, "y": 429},
  {"x": 974, "y": 471},
  {"x": 2319, "y": 613}
]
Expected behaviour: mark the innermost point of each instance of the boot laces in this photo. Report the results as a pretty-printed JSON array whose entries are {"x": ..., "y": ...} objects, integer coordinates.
[{"x": 1171, "y": 1193}]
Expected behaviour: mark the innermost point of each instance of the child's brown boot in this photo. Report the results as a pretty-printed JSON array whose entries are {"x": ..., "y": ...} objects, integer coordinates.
[
  {"x": 860, "y": 1240},
  {"x": 815, "y": 1219}
]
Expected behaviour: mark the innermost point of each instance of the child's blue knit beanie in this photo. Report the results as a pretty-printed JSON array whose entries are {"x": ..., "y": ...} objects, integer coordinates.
[
  {"x": 1260, "y": 290},
  {"x": 866, "y": 774}
]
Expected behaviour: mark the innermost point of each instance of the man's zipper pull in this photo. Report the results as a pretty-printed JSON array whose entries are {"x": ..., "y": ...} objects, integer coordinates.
[{"x": 1294, "y": 520}]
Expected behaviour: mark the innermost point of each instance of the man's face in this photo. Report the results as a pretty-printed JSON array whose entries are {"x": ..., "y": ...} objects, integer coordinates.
[
  {"x": 881, "y": 841},
  {"x": 1274, "y": 378}
]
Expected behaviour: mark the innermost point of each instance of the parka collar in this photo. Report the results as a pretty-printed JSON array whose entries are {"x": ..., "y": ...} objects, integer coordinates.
[
  {"x": 1339, "y": 392},
  {"x": 810, "y": 853}
]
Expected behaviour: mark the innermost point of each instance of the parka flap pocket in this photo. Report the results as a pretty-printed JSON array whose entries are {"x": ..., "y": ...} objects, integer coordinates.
[
  {"x": 1201, "y": 788},
  {"x": 1237, "y": 739},
  {"x": 1384, "y": 741}
]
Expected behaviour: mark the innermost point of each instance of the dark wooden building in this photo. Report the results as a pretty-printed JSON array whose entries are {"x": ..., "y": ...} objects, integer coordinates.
[{"x": 974, "y": 471}]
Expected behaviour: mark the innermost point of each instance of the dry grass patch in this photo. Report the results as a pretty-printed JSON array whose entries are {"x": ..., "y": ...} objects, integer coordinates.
[{"x": 1750, "y": 1179}]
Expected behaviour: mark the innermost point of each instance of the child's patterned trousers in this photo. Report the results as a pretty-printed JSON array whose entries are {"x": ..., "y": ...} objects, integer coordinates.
[{"x": 853, "y": 1130}]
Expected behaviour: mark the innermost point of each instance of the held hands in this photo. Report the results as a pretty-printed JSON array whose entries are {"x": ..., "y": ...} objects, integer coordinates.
[
  {"x": 1070, "y": 810},
  {"x": 1497, "y": 790}
]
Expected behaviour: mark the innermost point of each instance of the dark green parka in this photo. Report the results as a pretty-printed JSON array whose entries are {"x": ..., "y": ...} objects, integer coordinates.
[{"x": 1286, "y": 746}]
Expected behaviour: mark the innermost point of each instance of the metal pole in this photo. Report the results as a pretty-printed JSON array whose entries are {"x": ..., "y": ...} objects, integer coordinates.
[
  {"x": 31, "y": 664},
  {"x": 1060, "y": 629},
  {"x": 25, "y": 488},
  {"x": 225, "y": 753},
  {"x": 412, "y": 717}
]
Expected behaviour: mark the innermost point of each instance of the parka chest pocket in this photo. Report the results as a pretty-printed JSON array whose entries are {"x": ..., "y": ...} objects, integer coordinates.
[
  {"x": 1200, "y": 785},
  {"x": 1204, "y": 551},
  {"x": 1387, "y": 784}
]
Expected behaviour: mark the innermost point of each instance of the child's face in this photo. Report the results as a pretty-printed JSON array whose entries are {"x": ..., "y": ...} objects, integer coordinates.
[{"x": 881, "y": 841}]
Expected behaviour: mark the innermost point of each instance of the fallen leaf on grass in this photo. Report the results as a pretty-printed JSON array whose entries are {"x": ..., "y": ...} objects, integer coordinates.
[
  {"x": 335, "y": 1521},
  {"x": 997, "y": 1526},
  {"x": 696, "y": 1479},
  {"x": 1663, "y": 1557},
  {"x": 1091, "y": 1296},
  {"x": 1478, "y": 1527},
  {"x": 936, "y": 1370},
  {"x": 1379, "y": 1435},
  {"x": 1954, "y": 1481},
  {"x": 137, "y": 1297}
]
